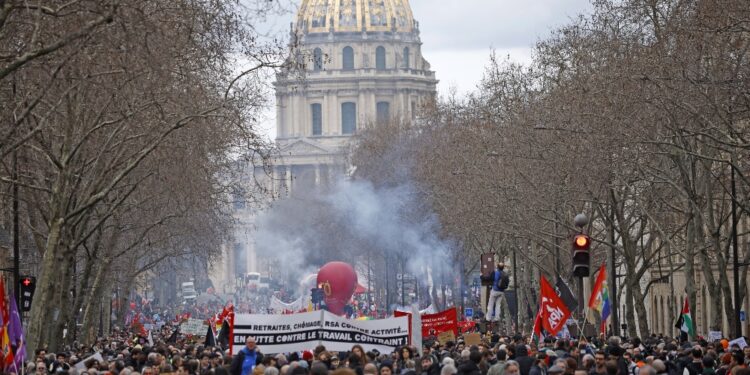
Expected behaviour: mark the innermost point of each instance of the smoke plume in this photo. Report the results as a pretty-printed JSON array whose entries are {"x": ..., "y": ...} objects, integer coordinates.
[{"x": 352, "y": 221}]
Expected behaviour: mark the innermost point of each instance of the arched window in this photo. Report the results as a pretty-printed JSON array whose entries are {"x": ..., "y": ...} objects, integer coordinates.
[
  {"x": 348, "y": 58},
  {"x": 317, "y": 60},
  {"x": 317, "y": 118},
  {"x": 406, "y": 58},
  {"x": 380, "y": 58},
  {"x": 383, "y": 112},
  {"x": 348, "y": 118}
]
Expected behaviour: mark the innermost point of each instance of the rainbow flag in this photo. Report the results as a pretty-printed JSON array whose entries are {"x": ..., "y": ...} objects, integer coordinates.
[{"x": 599, "y": 300}]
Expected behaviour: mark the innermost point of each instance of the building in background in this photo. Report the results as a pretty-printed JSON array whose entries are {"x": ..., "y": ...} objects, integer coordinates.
[{"x": 358, "y": 63}]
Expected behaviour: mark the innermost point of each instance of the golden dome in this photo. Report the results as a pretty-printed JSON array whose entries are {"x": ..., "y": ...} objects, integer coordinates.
[{"x": 322, "y": 16}]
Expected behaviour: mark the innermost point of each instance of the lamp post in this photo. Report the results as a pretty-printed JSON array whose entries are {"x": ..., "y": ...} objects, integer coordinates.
[
  {"x": 515, "y": 286},
  {"x": 16, "y": 243},
  {"x": 735, "y": 254}
]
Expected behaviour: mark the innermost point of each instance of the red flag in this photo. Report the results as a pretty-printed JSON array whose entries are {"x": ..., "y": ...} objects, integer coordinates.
[
  {"x": 537, "y": 335},
  {"x": 554, "y": 313},
  {"x": 231, "y": 328},
  {"x": 7, "y": 350}
]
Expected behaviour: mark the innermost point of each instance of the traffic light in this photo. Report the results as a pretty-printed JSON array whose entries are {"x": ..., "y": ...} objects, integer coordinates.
[
  {"x": 581, "y": 255},
  {"x": 28, "y": 286}
]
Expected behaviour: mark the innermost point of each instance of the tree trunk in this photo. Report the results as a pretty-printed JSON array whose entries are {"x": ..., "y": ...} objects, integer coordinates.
[
  {"x": 125, "y": 306},
  {"x": 55, "y": 330},
  {"x": 91, "y": 312},
  {"x": 640, "y": 310},
  {"x": 43, "y": 309},
  {"x": 106, "y": 302},
  {"x": 726, "y": 291},
  {"x": 672, "y": 296},
  {"x": 629, "y": 312},
  {"x": 80, "y": 297},
  {"x": 690, "y": 265}
]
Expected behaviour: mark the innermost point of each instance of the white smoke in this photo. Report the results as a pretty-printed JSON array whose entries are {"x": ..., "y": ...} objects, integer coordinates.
[{"x": 344, "y": 222}]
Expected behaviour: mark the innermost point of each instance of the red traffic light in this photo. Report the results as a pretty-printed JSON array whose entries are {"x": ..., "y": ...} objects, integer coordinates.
[
  {"x": 26, "y": 281},
  {"x": 581, "y": 241}
]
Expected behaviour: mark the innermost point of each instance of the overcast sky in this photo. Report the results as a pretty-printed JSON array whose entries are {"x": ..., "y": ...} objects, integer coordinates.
[{"x": 458, "y": 35}]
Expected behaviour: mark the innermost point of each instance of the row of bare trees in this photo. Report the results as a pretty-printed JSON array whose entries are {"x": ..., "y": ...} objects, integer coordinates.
[
  {"x": 636, "y": 114},
  {"x": 118, "y": 123}
]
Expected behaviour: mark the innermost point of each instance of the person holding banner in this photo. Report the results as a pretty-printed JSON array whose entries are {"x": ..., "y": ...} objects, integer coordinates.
[{"x": 245, "y": 361}]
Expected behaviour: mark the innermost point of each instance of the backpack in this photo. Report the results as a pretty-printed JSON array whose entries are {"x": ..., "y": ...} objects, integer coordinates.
[{"x": 503, "y": 282}]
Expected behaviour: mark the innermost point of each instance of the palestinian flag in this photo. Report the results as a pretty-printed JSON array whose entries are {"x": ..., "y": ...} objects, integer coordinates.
[{"x": 685, "y": 321}]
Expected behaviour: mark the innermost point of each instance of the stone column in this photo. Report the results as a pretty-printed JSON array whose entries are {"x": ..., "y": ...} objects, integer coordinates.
[{"x": 288, "y": 178}]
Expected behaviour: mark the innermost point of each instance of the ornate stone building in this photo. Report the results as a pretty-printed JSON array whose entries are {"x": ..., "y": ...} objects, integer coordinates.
[{"x": 359, "y": 62}]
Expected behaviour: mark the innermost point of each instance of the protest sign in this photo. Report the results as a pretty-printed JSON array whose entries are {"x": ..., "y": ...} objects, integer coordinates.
[
  {"x": 304, "y": 331},
  {"x": 472, "y": 339},
  {"x": 445, "y": 337},
  {"x": 715, "y": 336},
  {"x": 193, "y": 327},
  {"x": 435, "y": 324},
  {"x": 739, "y": 342}
]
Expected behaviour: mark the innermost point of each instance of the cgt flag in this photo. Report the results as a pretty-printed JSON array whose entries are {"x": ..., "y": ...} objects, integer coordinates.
[{"x": 553, "y": 311}]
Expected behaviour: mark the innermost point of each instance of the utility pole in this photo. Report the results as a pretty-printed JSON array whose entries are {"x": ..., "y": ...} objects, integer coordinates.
[
  {"x": 735, "y": 253},
  {"x": 613, "y": 272},
  {"x": 16, "y": 244},
  {"x": 515, "y": 286},
  {"x": 556, "y": 241}
]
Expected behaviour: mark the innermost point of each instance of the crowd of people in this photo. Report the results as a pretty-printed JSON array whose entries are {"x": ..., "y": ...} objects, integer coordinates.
[{"x": 168, "y": 352}]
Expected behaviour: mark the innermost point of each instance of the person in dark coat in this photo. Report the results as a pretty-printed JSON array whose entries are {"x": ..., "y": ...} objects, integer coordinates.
[
  {"x": 524, "y": 361},
  {"x": 430, "y": 366},
  {"x": 471, "y": 367},
  {"x": 540, "y": 366},
  {"x": 245, "y": 361}
]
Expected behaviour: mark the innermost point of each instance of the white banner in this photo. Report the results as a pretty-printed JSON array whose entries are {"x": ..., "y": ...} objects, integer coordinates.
[
  {"x": 298, "y": 332},
  {"x": 279, "y": 306}
]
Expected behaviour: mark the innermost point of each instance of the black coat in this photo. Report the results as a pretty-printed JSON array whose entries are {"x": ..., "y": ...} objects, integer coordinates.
[
  {"x": 239, "y": 358},
  {"x": 524, "y": 361},
  {"x": 433, "y": 370},
  {"x": 536, "y": 370},
  {"x": 469, "y": 368}
]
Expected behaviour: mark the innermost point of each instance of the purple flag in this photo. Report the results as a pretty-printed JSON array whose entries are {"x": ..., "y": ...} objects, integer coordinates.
[{"x": 15, "y": 334}]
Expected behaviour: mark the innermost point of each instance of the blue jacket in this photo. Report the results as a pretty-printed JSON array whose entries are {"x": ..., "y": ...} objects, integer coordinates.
[
  {"x": 496, "y": 276},
  {"x": 239, "y": 359}
]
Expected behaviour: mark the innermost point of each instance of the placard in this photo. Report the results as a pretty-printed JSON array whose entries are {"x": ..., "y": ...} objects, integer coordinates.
[
  {"x": 446, "y": 337},
  {"x": 740, "y": 342},
  {"x": 472, "y": 339},
  {"x": 193, "y": 327},
  {"x": 715, "y": 336}
]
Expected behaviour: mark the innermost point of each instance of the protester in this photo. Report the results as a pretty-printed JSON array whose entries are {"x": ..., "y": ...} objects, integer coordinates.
[{"x": 247, "y": 359}]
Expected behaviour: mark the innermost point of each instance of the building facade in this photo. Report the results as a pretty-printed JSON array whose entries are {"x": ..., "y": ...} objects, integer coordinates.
[{"x": 354, "y": 64}]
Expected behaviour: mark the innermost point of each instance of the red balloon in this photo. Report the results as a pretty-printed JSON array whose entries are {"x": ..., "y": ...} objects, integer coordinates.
[{"x": 338, "y": 281}]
